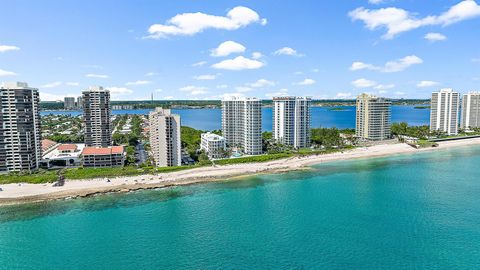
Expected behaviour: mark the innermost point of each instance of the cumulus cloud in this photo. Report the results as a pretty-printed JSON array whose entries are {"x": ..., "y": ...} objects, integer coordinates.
[
  {"x": 435, "y": 37},
  {"x": 139, "y": 82},
  {"x": 72, "y": 83},
  {"x": 280, "y": 93},
  {"x": 257, "y": 55},
  {"x": 375, "y": 2},
  {"x": 288, "y": 51},
  {"x": 188, "y": 24},
  {"x": 384, "y": 86},
  {"x": 238, "y": 63},
  {"x": 206, "y": 77},
  {"x": 343, "y": 95},
  {"x": 261, "y": 83},
  {"x": 194, "y": 90},
  {"x": 99, "y": 76},
  {"x": 5, "y": 73},
  {"x": 243, "y": 89},
  {"x": 391, "y": 66},
  {"x": 119, "y": 91},
  {"x": 426, "y": 84},
  {"x": 7, "y": 48},
  {"x": 306, "y": 82},
  {"x": 222, "y": 86},
  {"x": 199, "y": 64},
  {"x": 397, "y": 20},
  {"x": 149, "y": 74},
  {"x": 52, "y": 84},
  {"x": 226, "y": 48},
  {"x": 363, "y": 83}
]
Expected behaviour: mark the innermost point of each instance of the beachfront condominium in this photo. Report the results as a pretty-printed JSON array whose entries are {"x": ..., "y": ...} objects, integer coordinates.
[
  {"x": 96, "y": 116},
  {"x": 444, "y": 111},
  {"x": 242, "y": 124},
  {"x": 291, "y": 121},
  {"x": 373, "y": 117},
  {"x": 69, "y": 103},
  {"x": 470, "y": 117},
  {"x": 80, "y": 103},
  {"x": 20, "y": 143},
  {"x": 165, "y": 141},
  {"x": 213, "y": 144}
]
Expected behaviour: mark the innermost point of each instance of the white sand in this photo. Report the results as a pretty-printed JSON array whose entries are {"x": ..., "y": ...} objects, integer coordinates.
[{"x": 15, "y": 193}]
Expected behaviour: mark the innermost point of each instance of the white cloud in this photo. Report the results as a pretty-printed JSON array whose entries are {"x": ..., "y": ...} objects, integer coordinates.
[
  {"x": 280, "y": 93},
  {"x": 306, "y": 82},
  {"x": 435, "y": 37},
  {"x": 384, "y": 86},
  {"x": 5, "y": 73},
  {"x": 52, "y": 84},
  {"x": 228, "y": 96},
  {"x": 188, "y": 24},
  {"x": 426, "y": 84},
  {"x": 199, "y": 64},
  {"x": 6, "y": 48},
  {"x": 206, "y": 77},
  {"x": 149, "y": 74},
  {"x": 50, "y": 97},
  {"x": 476, "y": 60},
  {"x": 257, "y": 55},
  {"x": 398, "y": 93},
  {"x": 99, "y": 76},
  {"x": 139, "y": 82},
  {"x": 227, "y": 48},
  {"x": 72, "y": 83},
  {"x": 315, "y": 70},
  {"x": 158, "y": 90},
  {"x": 222, "y": 86},
  {"x": 238, "y": 63},
  {"x": 194, "y": 90},
  {"x": 397, "y": 20},
  {"x": 343, "y": 95},
  {"x": 243, "y": 89},
  {"x": 168, "y": 97},
  {"x": 391, "y": 66},
  {"x": 375, "y": 2},
  {"x": 119, "y": 91},
  {"x": 288, "y": 51},
  {"x": 363, "y": 83},
  {"x": 261, "y": 83}
]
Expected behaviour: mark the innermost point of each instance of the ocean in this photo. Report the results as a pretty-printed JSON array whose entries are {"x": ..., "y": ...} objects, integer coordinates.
[
  {"x": 419, "y": 211},
  {"x": 211, "y": 119}
]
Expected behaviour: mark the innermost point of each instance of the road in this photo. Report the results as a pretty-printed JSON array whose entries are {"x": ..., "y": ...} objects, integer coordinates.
[{"x": 140, "y": 153}]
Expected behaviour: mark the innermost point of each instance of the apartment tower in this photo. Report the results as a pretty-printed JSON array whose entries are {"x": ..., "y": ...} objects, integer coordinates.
[
  {"x": 373, "y": 117},
  {"x": 291, "y": 121},
  {"x": 470, "y": 117},
  {"x": 96, "y": 116},
  {"x": 165, "y": 140},
  {"x": 242, "y": 124},
  {"x": 444, "y": 111},
  {"x": 69, "y": 103},
  {"x": 20, "y": 142}
]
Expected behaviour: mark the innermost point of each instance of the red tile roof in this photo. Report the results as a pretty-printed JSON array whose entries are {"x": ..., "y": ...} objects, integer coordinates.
[
  {"x": 102, "y": 151},
  {"x": 66, "y": 147},
  {"x": 47, "y": 144}
]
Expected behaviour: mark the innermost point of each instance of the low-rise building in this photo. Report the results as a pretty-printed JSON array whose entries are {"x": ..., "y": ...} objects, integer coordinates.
[
  {"x": 62, "y": 155},
  {"x": 214, "y": 145},
  {"x": 112, "y": 156}
]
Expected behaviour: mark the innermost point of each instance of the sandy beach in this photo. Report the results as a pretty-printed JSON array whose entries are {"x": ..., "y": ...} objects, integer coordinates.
[{"x": 18, "y": 193}]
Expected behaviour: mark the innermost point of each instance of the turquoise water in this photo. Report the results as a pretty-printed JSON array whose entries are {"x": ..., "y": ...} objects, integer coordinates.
[
  {"x": 403, "y": 212},
  {"x": 211, "y": 119}
]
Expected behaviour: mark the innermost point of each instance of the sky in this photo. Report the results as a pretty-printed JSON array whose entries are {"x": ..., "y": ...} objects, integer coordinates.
[{"x": 190, "y": 49}]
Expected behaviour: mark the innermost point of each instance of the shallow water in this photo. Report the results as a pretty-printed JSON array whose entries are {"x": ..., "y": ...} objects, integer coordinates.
[{"x": 400, "y": 212}]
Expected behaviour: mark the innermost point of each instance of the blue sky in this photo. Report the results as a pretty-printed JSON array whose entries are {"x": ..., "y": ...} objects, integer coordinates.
[{"x": 323, "y": 49}]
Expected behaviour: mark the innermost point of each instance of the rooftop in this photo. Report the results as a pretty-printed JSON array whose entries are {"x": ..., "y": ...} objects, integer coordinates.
[
  {"x": 101, "y": 151},
  {"x": 47, "y": 144},
  {"x": 212, "y": 136},
  {"x": 67, "y": 147}
]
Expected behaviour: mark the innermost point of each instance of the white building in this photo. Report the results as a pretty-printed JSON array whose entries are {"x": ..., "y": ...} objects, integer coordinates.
[
  {"x": 373, "y": 117},
  {"x": 165, "y": 140},
  {"x": 470, "y": 117},
  {"x": 214, "y": 145},
  {"x": 444, "y": 111},
  {"x": 20, "y": 143},
  {"x": 96, "y": 116},
  {"x": 242, "y": 124},
  {"x": 291, "y": 121}
]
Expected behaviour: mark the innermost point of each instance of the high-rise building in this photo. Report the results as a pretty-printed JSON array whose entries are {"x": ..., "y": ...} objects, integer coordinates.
[
  {"x": 444, "y": 111},
  {"x": 20, "y": 142},
  {"x": 242, "y": 124},
  {"x": 69, "y": 103},
  {"x": 80, "y": 103},
  {"x": 165, "y": 140},
  {"x": 373, "y": 117},
  {"x": 291, "y": 121},
  {"x": 470, "y": 117},
  {"x": 96, "y": 116}
]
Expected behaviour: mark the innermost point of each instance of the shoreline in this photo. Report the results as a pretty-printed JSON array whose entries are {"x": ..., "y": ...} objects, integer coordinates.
[{"x": 28, "y": 193}]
